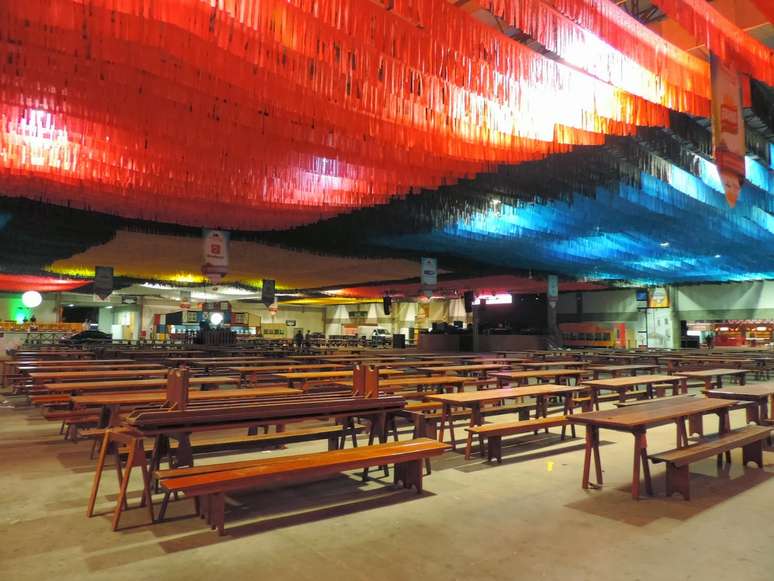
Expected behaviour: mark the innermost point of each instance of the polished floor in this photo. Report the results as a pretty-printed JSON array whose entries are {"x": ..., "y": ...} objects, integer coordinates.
[{"x": 527, "y": 518}]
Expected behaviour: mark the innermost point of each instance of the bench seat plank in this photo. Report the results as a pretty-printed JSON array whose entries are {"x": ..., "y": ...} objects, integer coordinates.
[{"x": 712, "y": 447}]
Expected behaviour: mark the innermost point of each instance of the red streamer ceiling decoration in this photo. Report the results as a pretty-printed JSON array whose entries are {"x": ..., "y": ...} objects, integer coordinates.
[
  {"x": 767, "y": 9},
  {"x": 726, "y": 40},
  {"x": 554, "y": 29},
  {"x": 24, "y": 283},
  {"x": 273, "y": 113}
]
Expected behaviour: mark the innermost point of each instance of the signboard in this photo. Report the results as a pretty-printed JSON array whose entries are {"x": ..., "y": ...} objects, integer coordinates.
[
  {"x": 553, "y": 289},
  {"x": 103, "y": 281},
  {"x": 429, "y": 272},
  {"x": 290, "y": 323},
  {"x": 658, "y": 298},
  {"x": 215, "y": 264},
  {"x": 498, "y": 299},
  {"x": 130, "y": 299},
  {"x": 727, "y": 128},
  {"x": 267, "y": 291}
]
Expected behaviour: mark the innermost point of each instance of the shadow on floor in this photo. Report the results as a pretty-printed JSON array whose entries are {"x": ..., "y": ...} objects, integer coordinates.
[{"x": 710, "y": 486}]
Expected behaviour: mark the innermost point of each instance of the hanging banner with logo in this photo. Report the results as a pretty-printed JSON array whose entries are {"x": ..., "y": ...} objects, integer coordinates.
[
  {"x": 658, "y": 298},
  {"x": 429, "y": 272},
  {"x": 215, "y": 264},
  {"x": 727, "y": 128},
  {"x": 103, "y": 281},
  {"x": 553, "y": 289},
  {"x": 267, "y": 291}
]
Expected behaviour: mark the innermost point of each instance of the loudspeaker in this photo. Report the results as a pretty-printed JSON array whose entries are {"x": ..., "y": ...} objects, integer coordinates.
[
  {"x": 468, "y": 298},
  {"x": 387, "y": 303}
]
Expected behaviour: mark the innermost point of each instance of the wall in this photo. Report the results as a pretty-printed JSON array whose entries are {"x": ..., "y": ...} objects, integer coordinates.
[
  {"x": 747, "y": 300},
  {"x": 10, "y": 304}
]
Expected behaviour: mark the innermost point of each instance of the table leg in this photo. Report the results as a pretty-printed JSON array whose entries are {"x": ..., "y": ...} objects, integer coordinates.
[
  {"x": 444, "y": 416},
  {"x": 682, "y": 434},
  {"x": 640, "y": 457},
  {"x": 475, "y": 420},
  {"x": 724, "y": 426},
  {"x": 742, "y": 379},
  {"x": 719, "y": 382},
  {"x": 592, "y": 447}
]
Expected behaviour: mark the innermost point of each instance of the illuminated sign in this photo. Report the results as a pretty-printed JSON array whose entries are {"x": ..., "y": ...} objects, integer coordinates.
[{"x": 498, "y": 299}]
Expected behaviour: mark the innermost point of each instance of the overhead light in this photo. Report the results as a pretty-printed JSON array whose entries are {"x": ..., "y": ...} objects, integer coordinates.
[
  {"x": 71, "y": 305},
  {"x": 216, "y": 318},
  {"x": 664, "y": 245},
  {"x": 717, "y": 256},
  {"x": 32, "y": 299},
  {"x": 109, "y": 307}
]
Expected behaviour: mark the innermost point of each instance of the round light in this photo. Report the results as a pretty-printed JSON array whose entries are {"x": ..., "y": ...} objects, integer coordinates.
[
  {"x": 216, "y": 318},
  {"x": 31, "y": 299}
]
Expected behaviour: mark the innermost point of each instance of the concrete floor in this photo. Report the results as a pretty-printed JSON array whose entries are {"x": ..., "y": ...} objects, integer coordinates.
[{"x": 527, "y": 518}]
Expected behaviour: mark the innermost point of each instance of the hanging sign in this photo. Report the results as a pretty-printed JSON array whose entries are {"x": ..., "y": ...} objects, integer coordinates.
[
  {"x": 553, "y": 289},
  {"x": 727, "y": 128},
  {"x": 267, "y": 291},
  {"x": 429, "y": 272},
  {"x": 658, "y": 298},
  {"x": 215, "y": 264},
  {"x": 103, "y": 281}
]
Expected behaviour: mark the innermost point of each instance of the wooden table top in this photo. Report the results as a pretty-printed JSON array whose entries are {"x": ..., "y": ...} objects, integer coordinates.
[
  {"x": 508, "y": 392},
  {"x": 651, "y": 414},
  {"x": 77, "y": 367},
  {"x": 226, "y": 361},
  {"x": 538, "y": 373},
  {"x": 632, "y": 381},
  {"x": 330, "y": 374},
  {"x": 746, "y": 392},
  {"x": 539, "y": 364},
  {"x": 291, "y": 367},
  {"x": 712, "y": 372},
  {"x": 136, "y": 398},
  {"x": 136, "y": 384},
  {"x": 410, "y": 381},
  {"x": 631, "y": 367},
  {"x": 56, "y": 363},
  {"x": 96, "y": 374},
  {"x": 471, "y": 367}
]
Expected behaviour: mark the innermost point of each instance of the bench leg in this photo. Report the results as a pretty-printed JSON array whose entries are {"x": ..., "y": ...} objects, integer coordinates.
[
  {"x": 753, "y": 452},
  {"x": 696, "y": 425},
  {"x": 678, "y": 480},
  {"x": 410, "y": 474},
  {"x": 495, "y": 448}
]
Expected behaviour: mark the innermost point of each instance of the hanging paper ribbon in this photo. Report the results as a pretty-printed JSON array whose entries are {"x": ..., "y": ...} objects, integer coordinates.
[{"x": 735, "y": 48}]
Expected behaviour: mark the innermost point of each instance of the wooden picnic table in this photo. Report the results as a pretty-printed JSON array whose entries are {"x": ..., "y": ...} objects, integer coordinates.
[
  {"x": 77, "y": 367},
  {"x": 523, "y": 377},
  {"x": 56, "y": 376},
  {"x": 111, "y": 402},
  {"x": 137, "y": 384},
  {"x": 550, "y": 364},
  {"x": 760, "y": 393},
  {"x": 618, "y": 370},
  {"x": 323, "y": 375},
  {"x": 55, "y": 363},
  {"x": 445, "y": 369},
  {"x": 706, "y": 375},
  {"x": 396, "y": 384},
  {"x": 623, "y": 384},
  {"x": 251, "y": 372},
  {"x": 55, "y": 354},
  {"x": 636, "y": 420},
  {"x": 475, "y": 400}
]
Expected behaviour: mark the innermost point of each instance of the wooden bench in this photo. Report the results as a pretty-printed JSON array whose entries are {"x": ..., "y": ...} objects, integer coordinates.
[
  {"x": 493, "y": 433},
  {"x": 749, "y": 438},
  {"x": 72, "y": 420},
  {"x": 210, "y": 487},
  {"x": 49, "y": 400}
]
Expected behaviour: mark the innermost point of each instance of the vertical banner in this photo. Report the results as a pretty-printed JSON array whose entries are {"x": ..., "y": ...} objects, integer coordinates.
[
  {"x": 103, "y": 281},
  {"x": 267, "y": 291},
  {"x": 552, "y": 296},
  {"x": 727, "y": 128},
  {"x": 428, "y": 277},
  {"x": 215, "y": 264}
]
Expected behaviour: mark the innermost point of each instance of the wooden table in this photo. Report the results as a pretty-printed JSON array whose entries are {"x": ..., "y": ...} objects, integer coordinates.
[
  {"x": 78, "y": 367},
  {"x": 523, "y": 377},
  {"x": 251, "y": 372},
  {"x": 706, "y": 375},
  {"x": 636, "y": 420},
  {"x": 475, "y": 399},
  {"x": 111, "y": 402},
  {"x": 323, "y": 375},
  {"x": 760, "y": 393},
  {"x": 396, "y": 384},
  {"x": 446, "y": 369},
  {"x": 623, "y": 384},
  {"x": 618, "y": 370},
  {"x": 57, "y": 376},
  {"x": 554, "y": 364},
  {"x": 136, "y": 384}
]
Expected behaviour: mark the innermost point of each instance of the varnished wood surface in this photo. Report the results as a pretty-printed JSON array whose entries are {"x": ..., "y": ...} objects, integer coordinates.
[
  {"x": 633, "y": 381},
  {"x": 96, "y": 374},
  {"x": 288, "y": 368},
  {"x": 649, "y": 414},
  {"x": 702, "y": 373},
  {"x": 416, "y": 381},
  {"x": 745, "y": 392},
  {"x": 330, "y": 374},
  {"x": 496, "y": 394},
  {"x": 538, "y": 373},
  {"x": 455, "y": 368},
  {"x": 617, "y": 368},
  {"x": 143, "y": 397},
  {"x": 136, "y": 384}
]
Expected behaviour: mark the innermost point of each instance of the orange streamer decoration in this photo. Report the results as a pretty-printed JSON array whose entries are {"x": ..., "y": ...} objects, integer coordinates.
[
  {"x": 553, "y": 28},
  {"x": 273, "y": 113},
  {"x": 732, "y": 45}
]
